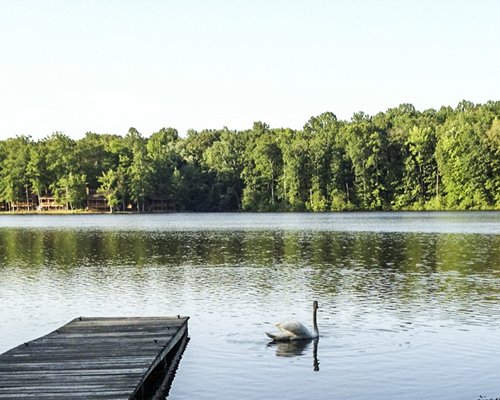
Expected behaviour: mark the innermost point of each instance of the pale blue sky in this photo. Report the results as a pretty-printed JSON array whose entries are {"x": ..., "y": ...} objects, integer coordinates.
[{"x": 104, "y": 66}]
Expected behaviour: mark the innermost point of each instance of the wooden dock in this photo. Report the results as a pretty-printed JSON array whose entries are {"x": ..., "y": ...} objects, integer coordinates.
[{"x": 97, "y": 358}]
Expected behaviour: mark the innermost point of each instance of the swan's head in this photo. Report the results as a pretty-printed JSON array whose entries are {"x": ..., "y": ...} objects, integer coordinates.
[{"x": 315, "y": 305}]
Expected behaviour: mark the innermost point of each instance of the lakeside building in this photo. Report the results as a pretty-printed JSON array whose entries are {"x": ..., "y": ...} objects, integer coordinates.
[
  {"x": 49, "y": 203},
  {"x": 160, "y": 204},
  {"x": 28, "y": 204},
  {"x": 94, "y": 202}
]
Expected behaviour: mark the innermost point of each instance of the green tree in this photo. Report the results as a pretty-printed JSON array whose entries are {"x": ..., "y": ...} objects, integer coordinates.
[
  {"x": 163, "y": 155},
  {"x": 262, "y": 169},
  {"x": 60, "y": 157},
  {"x": 139, "y": 170},
  {"x": 110, "y": 188},
  {"x": 462, "y": 158},
  {"x": 70, "y": 190},
  {"x": 225, "y": 157},
  {"x": 14, "y": 180},
  {"x": 367, "y": 151},
  {"x": 37, "y": 171},
  {"x": 398, "y": 159},
  {"x": 331, "y": 170},
  {"x": 492, "y": 144},
  {"x": 193, "y": 181},
  {"x": 295, "y": 177},
  {"x": 420, "y": 184},
  {"x": 96, "y": 154}
]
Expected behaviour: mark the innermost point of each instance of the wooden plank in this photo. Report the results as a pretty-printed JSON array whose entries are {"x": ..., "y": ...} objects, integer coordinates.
[{"x": 93, "y": 358}]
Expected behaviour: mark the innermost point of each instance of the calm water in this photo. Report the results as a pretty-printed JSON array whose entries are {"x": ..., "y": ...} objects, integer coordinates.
[{"x": 409, "y": 302}]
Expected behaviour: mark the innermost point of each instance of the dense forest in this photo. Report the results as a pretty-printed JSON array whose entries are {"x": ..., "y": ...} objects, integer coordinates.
[{"x": 403, "y": 159}]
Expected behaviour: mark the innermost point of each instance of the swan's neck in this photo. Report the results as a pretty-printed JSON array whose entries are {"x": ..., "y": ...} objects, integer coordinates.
[{"x": 315, "y": 322}]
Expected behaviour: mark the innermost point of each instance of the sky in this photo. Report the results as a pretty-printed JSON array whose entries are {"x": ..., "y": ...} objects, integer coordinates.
[{"x": 75, "y": 66}]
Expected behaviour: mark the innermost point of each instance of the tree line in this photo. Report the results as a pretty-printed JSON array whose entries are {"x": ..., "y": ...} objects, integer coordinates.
[{"x": 401, "y": 159}]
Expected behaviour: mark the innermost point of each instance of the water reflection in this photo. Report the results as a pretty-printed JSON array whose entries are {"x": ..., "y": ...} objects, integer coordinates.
[
  {"x": 396, "y": 306},
  {"x": 375, "y": 268},
  {"x": 294, "y": 348},
  {"x": 407, "y": 253},
  {"x": 393, "y": 264}
]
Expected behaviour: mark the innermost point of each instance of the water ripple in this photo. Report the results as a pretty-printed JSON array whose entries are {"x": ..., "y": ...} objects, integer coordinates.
[{"x": 403, "y": 314}]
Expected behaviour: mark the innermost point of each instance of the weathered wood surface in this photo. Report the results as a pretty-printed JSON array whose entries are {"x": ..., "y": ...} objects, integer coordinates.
[{"x": 91, "y": 358}]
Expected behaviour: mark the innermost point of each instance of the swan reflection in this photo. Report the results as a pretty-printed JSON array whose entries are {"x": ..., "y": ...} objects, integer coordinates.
[{"x": 295, "y": 348}]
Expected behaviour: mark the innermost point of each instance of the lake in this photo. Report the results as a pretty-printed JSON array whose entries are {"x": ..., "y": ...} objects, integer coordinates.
[{"x": 409, "y": 302}]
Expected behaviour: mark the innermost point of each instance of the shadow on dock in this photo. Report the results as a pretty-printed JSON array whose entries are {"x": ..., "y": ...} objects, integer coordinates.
[{"x": 157, "y": 385}]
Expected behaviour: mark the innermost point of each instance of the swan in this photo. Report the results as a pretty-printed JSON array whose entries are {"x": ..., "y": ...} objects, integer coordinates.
[{"x": 295, "y": 330}]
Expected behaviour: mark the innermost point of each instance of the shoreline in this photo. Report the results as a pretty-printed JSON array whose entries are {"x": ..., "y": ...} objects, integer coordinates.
[
  {"x": 79, "y": 212},
  {"x": 84, "y": 212}
]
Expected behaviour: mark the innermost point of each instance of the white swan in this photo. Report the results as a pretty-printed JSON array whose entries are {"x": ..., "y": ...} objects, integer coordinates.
[{"x": 295, "y": 330}]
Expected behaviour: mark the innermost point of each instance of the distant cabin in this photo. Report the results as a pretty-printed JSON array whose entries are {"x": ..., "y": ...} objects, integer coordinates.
[
  {"x": 96, "y": 202},
  {"x": 28, "y": 204},
  {"x": 160, "y": 204},
  {"x": 49, "y": 203}
]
